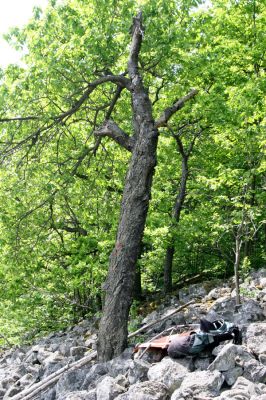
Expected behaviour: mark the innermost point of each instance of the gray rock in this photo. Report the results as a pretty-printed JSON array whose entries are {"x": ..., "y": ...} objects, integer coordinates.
[
  {"x": 196, "y": 290},
  {"x": 52, "y": 367},
  {"x": 146, "y": 391},
  {"x": 95, "y": 373},
  {"x": 170, "y": 372},
  {"x": 27, "y": 379},
  {"x": 120, "y": 365},
  {"x": 217, "y": 293},
  {"x": 256, "y": 334},
  {"x": 138, "y": 371},
  {"x": 153, "y": 316},
  {"x": 262, "y": 359},
  {"x": 242, "y": 390},
  {"x": 108, "y": 389},
  {"x": 49, "y": 395},
  {"x": 78, "y": 352},
  {"x": 202, "y": 363},
  {"x": 254, "y": 371},
  {"x": 224, "y": 306},
  {"x": 225, "y": 360},
  {"x": 231, "y": 375},
  {"x": 71, "y": 381},
  {"x": 12, "y": 391},
  {"x": 249, "y": 311},
  {"x": 79, "y": 395},
  {"x": 199, "y": 384},
  {"x": 91, "y": 341},
  {"x": 230, "y": 356}
]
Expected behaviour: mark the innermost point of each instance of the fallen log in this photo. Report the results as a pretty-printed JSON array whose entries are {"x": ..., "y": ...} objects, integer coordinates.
[
  {"x": 187, "y": 281},
  {"x": 143, "y": 328},
  {"x": 32, "y": 391}
]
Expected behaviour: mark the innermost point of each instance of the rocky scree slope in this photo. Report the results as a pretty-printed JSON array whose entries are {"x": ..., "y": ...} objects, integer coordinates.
[{"x": 232, "y": 372}]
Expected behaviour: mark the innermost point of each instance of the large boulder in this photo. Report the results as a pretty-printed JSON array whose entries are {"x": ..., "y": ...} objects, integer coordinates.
[
  {"x": 243, "y": 389},
  {"x": 146, "y": 391},
  {"x": 254, "y": 371},
  {"x": 170, "y": 372},
  {"x": 109, "y": 388},
  {"x": 138, "y": 371},
  {"x": 71, "y": 381},
  {"x": 199, "y": 384},
  {"x": 256, "y": 342},
  {"x": 94, "y": 375},
  {"x": 229, "y": 357},
  {"x": 249, "y": 311}
]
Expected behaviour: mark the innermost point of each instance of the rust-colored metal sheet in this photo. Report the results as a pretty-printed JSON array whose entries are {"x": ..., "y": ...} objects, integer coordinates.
[{"x": 162, "y": 342}]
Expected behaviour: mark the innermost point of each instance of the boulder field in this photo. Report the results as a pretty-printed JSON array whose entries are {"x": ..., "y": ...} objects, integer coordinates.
[{"x": 62, "y": 366}]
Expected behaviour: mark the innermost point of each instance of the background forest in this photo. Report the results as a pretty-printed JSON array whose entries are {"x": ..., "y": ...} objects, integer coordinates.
[{"x": 62, "y": 181}]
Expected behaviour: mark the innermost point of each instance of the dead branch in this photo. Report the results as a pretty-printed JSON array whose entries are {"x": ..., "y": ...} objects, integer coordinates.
[
  {"x": 170, "y": 111},
  {"x": 31, "y": 392},
  {"x": 143, "y": 328}
]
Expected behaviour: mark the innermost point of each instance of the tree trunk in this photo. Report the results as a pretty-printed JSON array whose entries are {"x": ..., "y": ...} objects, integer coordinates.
[
  {"x": 112, "y": 339},
  {"x": 137, "y": 291},
  {"x": 168, "y": 264},
  {"x": 236, "y": 268}
]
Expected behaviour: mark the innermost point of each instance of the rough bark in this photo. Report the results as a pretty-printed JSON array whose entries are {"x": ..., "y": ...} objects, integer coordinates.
[
  {"x": 119, "y": 285},
  {"x": 121, "y": 276}
]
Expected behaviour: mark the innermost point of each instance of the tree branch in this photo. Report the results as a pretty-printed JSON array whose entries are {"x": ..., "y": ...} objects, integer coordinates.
[
  {"x": 112, "y": 130},
  {"x": 170, "y": 111},
  {"x": 137, "y": 34},
  {"x": 29, "y": 118},
  {"x": 74, "y": 229},
  {"x": 120, "y": 80}
]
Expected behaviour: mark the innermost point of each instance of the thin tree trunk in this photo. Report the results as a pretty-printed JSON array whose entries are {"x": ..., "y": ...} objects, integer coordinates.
[
  {"x": 168, "y": 264},
  {"x": 236, "y": 268},
  {"x": 137, "y": 291}
]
